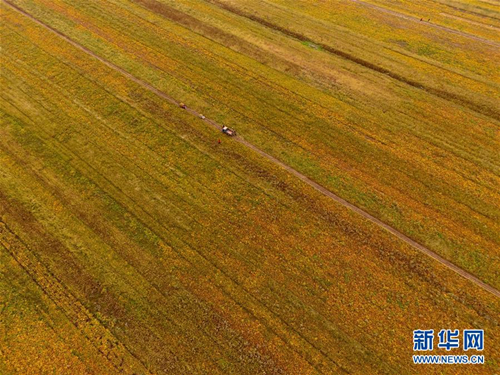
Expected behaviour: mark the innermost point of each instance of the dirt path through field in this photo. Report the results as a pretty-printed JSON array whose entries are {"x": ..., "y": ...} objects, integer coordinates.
[{"x": 293, "y": 171}]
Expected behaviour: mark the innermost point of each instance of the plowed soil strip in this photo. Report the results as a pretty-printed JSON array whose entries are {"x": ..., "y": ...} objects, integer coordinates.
[{"x": 293, "y": 171}]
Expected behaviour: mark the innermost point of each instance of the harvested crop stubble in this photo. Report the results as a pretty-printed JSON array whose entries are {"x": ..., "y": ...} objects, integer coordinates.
[{"x": 153, "y": 249}]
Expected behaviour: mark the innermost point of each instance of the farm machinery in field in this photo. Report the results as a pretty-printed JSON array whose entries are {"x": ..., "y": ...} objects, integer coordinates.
[{"x": 228, "y": 131}]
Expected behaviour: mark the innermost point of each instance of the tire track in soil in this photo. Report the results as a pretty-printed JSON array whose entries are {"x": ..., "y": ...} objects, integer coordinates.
[
  {"x": 154, "y": 226},
  {"x": 149, "y": 224},
  {"x": 272, "y": 159},
  {"x": 119, "y": 356}
]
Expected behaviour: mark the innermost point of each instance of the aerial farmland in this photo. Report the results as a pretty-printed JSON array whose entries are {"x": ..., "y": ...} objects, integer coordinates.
[{"x": 249, "y": 187}]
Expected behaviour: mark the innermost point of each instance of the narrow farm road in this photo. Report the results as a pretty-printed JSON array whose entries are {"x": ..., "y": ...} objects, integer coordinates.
[{"x": 264, "y": 154}]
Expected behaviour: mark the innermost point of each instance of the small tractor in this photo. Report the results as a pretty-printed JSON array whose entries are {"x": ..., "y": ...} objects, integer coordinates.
[{"x": 228, "y": 131}]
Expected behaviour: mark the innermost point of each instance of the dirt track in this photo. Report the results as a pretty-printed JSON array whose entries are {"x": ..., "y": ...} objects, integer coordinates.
[{"x": 293, "y": 171}]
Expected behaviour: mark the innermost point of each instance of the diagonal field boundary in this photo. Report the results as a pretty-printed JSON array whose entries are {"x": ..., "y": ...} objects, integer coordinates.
[{"x": 288, "y": 168}]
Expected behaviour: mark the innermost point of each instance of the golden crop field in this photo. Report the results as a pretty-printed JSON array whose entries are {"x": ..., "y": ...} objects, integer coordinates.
[{"x": 360, "y": 200}]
